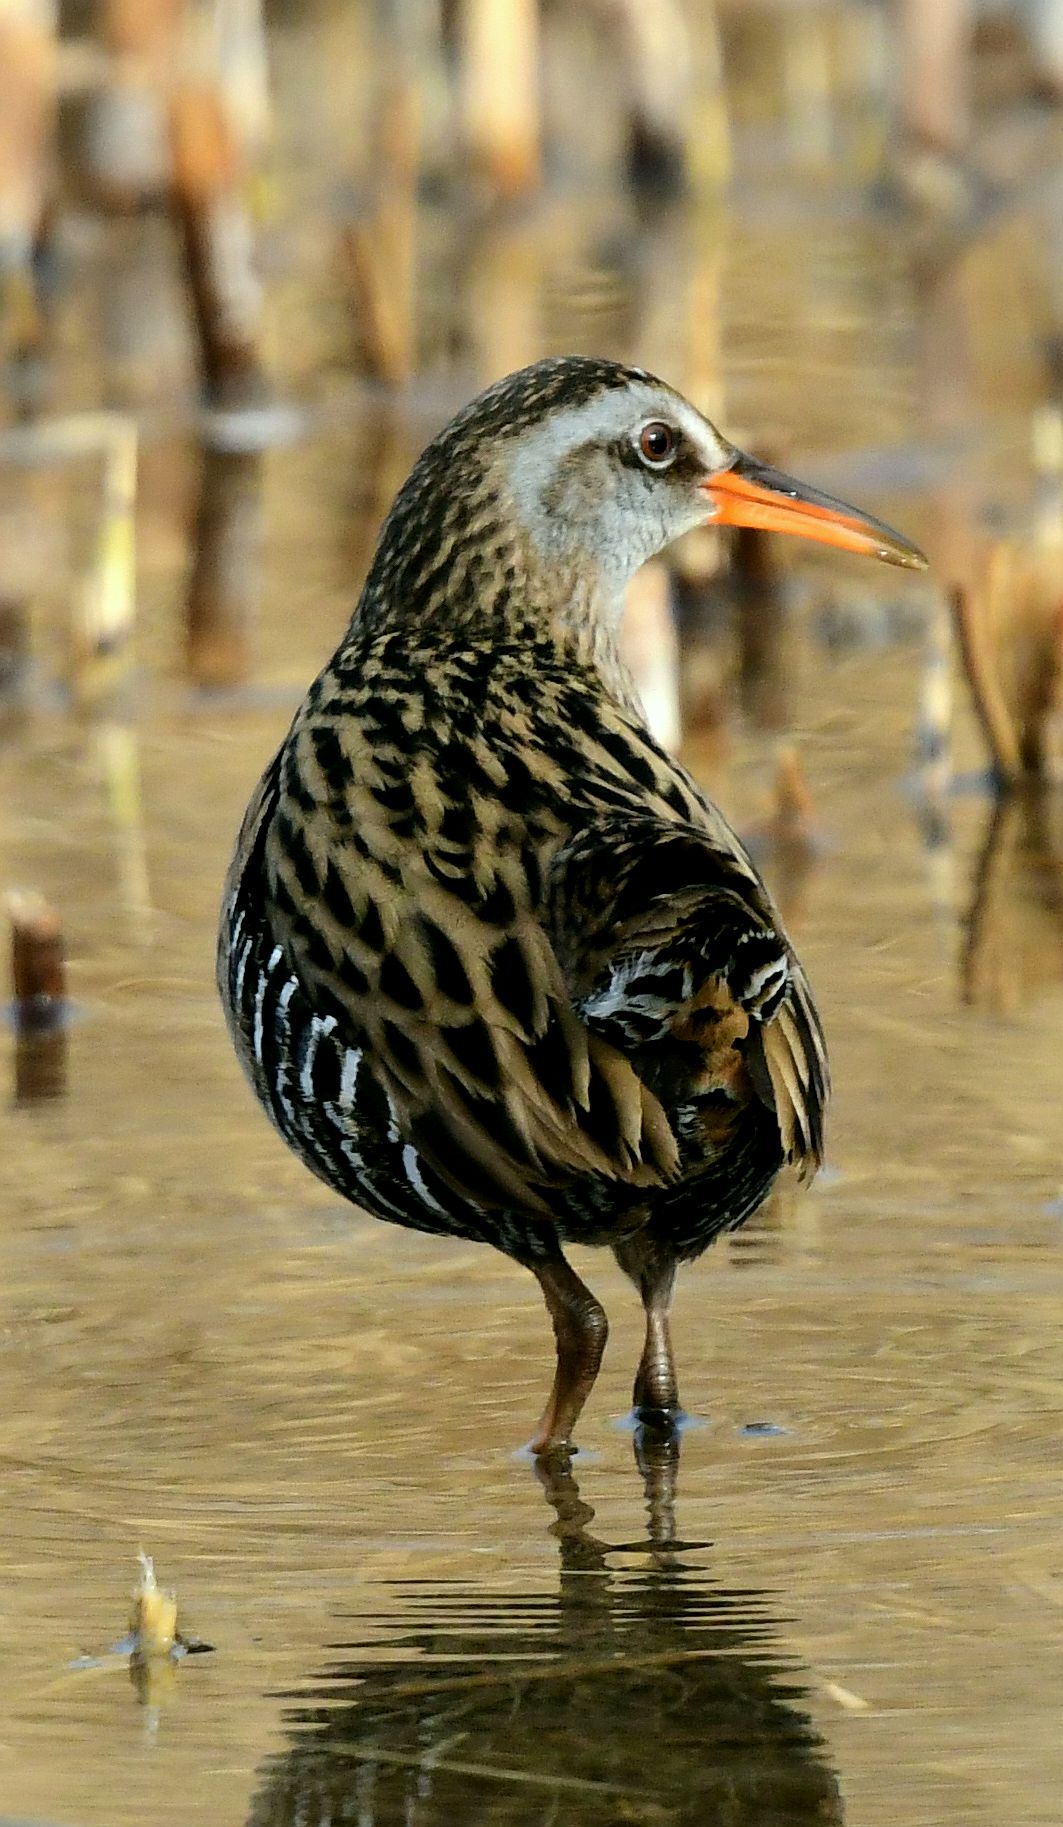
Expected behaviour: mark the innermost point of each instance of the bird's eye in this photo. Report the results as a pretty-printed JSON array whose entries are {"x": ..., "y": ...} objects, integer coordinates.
[{"x": 658, "y": 444}]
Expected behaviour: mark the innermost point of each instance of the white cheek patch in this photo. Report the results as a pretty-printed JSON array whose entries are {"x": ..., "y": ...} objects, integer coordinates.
[{"x": 630, "y": 516}]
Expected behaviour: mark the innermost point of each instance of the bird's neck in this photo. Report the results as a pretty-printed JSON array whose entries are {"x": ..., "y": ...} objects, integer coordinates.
[{"x": 472, "y": 574}]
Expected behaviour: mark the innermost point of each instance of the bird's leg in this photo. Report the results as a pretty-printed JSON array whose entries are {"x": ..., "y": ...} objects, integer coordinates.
[
  {"x": 581, "y": 1552},
  {"x": 657, "y": 1457},
  {"x": 653, "y": 1273},
  {"x": 581, "y": 1329}
]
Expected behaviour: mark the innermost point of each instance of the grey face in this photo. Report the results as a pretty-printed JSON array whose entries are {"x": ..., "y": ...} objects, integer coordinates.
[{"x": 607, "y": 484}]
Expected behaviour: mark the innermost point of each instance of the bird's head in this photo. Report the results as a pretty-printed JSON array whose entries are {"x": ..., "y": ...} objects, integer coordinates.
[{"x": 591, "y": 468}]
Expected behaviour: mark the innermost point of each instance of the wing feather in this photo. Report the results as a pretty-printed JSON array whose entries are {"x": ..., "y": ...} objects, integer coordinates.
[
  {"x": 673, "y": 949},
  {"x": 536, "y": 1016}
]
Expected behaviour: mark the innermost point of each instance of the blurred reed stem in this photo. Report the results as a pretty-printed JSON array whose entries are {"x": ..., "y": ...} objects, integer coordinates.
[{"x": 500, "y": 93}]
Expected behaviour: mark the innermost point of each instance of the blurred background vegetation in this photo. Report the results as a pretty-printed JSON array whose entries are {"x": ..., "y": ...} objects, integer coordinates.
[{"x": 230, "y": 230}]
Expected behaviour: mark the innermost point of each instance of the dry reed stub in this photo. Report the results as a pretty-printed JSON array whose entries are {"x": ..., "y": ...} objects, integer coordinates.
[
  {"x": 38, "y": 961},
  {"x": 983, "y": 680},
  {"x": 377, "y": 259},
  {"x": 38, "y": 998},
  {"x": 793, "y": 797},
  {"x": 153, "y": 1618},
  {"x": 155, "y": 1643}
]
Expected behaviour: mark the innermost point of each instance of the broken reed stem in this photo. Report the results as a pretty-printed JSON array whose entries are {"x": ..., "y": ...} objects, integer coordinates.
[
  {"x": 992, "y": 712},
  {"x": 793, "y": 797},
  {"x": 38, "y": 961},
  {"x": 28, "y": 73},
  {"x": 657, "y": 50},
  {"x": 936, "y": 72}
]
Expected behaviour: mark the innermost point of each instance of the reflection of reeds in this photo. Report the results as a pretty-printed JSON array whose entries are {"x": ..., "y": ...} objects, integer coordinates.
[
  {"x": 222, "y": 583},
  {"x": 104, "y": 623},
  {"x": 103, "y": 617},
  {"x": 1014, "y": 941},
  {"x": 38, "y": 961},
  {"x": 758, "y": 588},
  {"x": 505, "y": 263},
  {"x": 787, "y": 843},
  {"x": 118, "y": 761},
  {"x": 381, "y": 247}
]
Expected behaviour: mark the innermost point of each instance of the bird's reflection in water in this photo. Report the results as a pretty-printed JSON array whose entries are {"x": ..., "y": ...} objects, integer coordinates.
[{"x": 639, "y": 1693}]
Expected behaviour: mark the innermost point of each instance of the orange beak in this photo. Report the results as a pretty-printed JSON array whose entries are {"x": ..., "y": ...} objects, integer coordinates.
[{"x": 751, "y": 494}]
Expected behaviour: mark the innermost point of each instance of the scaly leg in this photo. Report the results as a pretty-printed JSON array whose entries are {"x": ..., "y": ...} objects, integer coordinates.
[
  {"x": 653, "y": 1272},
  {"x": 581, "y": 1329}
]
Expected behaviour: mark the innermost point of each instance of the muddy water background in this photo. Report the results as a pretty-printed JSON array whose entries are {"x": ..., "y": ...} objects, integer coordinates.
[{"x": 308, "y": 1418}]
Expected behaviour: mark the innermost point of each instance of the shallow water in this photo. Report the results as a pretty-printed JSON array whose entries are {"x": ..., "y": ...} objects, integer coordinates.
[{"x": 309, "y": 1419}]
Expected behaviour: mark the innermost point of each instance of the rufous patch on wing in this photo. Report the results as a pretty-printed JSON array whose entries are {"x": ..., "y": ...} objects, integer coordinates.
[{"x": 715, "y": 1023}]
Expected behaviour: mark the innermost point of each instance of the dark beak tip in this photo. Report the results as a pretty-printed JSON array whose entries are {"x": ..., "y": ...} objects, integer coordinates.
[{"x": 908, "y": 558}]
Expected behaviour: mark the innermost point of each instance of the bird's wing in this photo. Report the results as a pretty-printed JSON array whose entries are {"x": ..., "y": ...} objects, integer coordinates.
[
  {"x": 672, "y": 952},
  {"x": 432, "y": 956}
]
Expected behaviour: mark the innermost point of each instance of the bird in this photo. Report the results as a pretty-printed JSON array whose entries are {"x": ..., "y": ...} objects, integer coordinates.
[{"x": 494, "y": 964}]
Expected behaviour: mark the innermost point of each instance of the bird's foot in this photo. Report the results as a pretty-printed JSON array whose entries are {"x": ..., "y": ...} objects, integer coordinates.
[{"x": 542, "y": 1449}]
